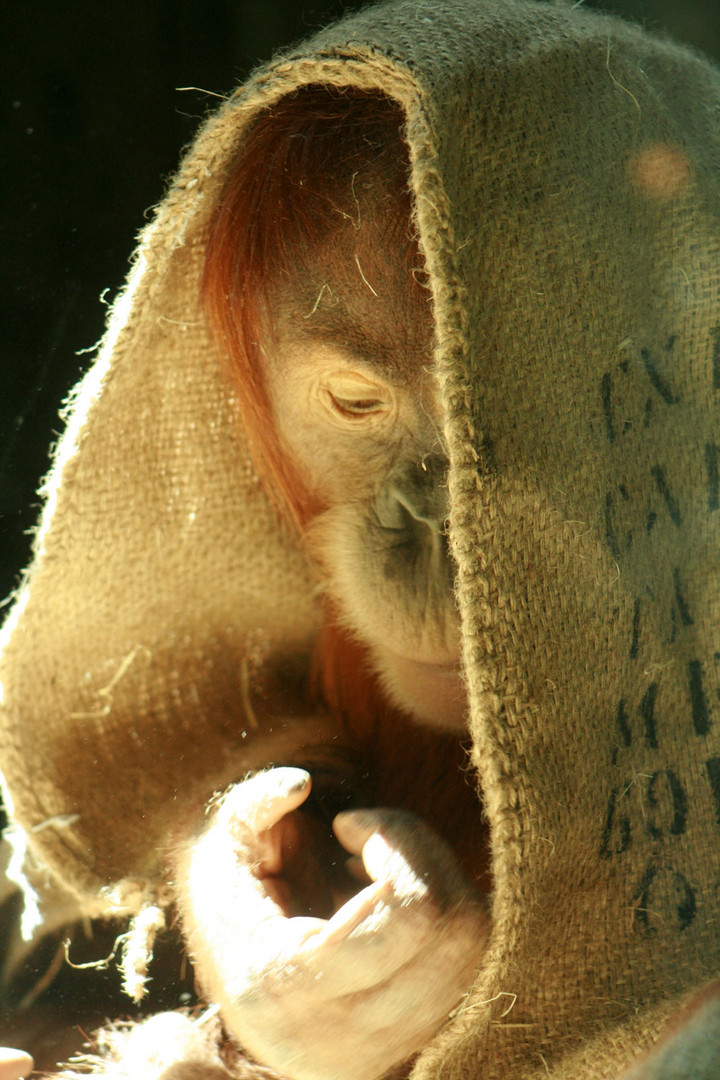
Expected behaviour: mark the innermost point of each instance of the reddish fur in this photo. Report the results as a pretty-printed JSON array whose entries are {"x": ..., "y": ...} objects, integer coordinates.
[{"x": 343, "y": 679}]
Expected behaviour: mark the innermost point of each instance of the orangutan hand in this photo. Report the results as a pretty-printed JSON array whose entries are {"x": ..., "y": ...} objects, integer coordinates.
[
  {"x": 14, "y": 1064},
  {"x": 338, "y": 998}
]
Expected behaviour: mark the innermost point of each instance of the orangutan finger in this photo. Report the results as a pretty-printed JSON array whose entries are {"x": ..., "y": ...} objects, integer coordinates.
[
  {"x": 14, "y": 1064},
  {"x": 260, "y": 802}
]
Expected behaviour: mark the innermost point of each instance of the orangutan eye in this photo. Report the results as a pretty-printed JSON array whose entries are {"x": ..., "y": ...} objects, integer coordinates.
[
  {"x": 352, "y": 397},
  {"x": 357, "y": 406}
]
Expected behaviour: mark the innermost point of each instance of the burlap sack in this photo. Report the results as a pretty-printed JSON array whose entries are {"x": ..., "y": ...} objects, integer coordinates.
[{"x": 565, "y": 171}]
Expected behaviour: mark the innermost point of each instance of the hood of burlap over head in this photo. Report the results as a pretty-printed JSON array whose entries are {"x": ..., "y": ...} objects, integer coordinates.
[{"x": 565, "y": 172}]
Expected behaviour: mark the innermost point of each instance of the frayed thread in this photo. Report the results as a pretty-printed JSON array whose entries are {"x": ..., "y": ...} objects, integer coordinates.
[
  {"x": 168, "y": 1046},
  {"x": 136, "y": 949}
]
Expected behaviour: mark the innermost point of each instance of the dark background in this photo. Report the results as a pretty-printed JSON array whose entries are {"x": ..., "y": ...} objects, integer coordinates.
[{"x": 93, "y": 124}]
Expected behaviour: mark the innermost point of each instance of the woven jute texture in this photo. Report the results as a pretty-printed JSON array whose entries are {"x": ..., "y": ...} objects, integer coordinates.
[{"x": 565, "y": 173}]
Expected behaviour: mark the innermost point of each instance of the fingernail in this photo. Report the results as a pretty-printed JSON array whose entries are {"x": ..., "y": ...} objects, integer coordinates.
[{"x": 293, "y": 779}]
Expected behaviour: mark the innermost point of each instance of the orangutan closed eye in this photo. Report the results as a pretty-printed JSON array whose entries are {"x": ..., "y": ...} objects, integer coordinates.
[{"x": 323, "y": 964}]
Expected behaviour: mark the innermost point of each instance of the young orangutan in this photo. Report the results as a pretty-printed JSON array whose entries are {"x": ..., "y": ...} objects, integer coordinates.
[{"x": 316, "y": 289}]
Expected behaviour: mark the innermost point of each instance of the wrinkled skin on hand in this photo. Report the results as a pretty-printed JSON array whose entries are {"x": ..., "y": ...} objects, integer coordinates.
[{"x": 352, "y": 991}]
